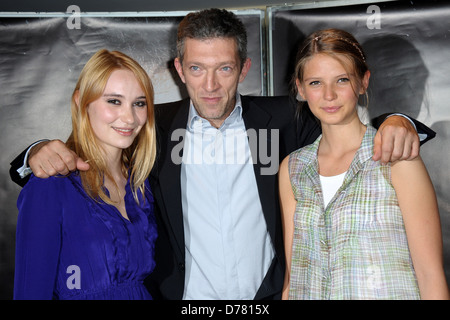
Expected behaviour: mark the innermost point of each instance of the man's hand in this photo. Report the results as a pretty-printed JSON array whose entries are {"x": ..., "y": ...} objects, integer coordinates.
[
  {"x": 396, "y": 139},
  {"x": 50, "y": 158}
]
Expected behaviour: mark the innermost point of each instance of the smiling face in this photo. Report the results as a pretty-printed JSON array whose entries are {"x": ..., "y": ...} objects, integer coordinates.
[
  {"x": 120, "y": 113},
  {"x": 330, "y": 89},
  {"x": 211, "y": 70}
]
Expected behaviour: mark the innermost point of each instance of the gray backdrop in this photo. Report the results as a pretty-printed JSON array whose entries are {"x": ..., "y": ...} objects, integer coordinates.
[
  {"x": 40, "y": 61},
  {"x": 41, "y": 58}
]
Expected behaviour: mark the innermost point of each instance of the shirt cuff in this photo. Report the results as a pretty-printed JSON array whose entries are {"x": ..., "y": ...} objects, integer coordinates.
[
  {"x": 25, "y": 170},
  {"x": 422, "y": 136}
]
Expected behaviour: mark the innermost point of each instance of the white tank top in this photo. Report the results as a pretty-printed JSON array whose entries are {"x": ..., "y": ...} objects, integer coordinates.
[{"x": 330, "y": 185}]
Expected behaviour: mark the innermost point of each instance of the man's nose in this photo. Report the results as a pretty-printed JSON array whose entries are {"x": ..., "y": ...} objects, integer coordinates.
[{"x": 211, "y": 83}]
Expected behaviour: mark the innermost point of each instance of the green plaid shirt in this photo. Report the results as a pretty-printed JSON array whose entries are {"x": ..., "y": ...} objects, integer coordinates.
[{"x": 356, "y": 247}]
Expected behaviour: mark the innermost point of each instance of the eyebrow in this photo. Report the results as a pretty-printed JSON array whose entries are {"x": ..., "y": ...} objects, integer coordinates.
[
  {"x": 220, "y": 63},
  {"x": 318, "y": 78},
  {"x": 117, "y": 95}
]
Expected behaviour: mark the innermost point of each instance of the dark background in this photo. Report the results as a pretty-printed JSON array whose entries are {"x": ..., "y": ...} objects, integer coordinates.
[{"x": 41, "y": 58}]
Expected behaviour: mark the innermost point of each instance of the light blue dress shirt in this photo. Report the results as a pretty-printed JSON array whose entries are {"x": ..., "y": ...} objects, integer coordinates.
[{"x": 228, "y": 248}]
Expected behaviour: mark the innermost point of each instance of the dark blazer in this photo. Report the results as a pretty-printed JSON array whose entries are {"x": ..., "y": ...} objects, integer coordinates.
[{"x": 167, "y": 281}]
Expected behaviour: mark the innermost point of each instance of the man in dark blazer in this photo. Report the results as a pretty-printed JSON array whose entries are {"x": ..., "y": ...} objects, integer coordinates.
[
  {"x": 211, "y": 61},
  {"x": 205, "y": 65},
  {"x": 258, "y": 113}
]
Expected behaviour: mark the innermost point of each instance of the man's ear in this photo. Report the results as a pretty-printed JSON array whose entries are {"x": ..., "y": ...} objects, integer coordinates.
[
  {"x": 179, "y": 69},
  {"x": 245, "y": 69}
]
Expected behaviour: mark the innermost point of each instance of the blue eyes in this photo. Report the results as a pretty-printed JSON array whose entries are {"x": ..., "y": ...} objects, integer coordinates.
[
  {"x": 340, "y": 80},
  {"x": 198, "y": 69},
  {"x": 344, "y": 80}
]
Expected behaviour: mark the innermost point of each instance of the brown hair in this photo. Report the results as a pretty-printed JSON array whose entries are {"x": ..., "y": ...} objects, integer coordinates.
[
  {"x": 336, "y": 43},
  {"x": 209, "y": 24},
  {"x": 140, "y": 156}
]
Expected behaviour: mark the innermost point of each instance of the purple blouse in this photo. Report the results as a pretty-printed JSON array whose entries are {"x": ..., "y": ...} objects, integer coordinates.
[{"x": 69, "y": 246}]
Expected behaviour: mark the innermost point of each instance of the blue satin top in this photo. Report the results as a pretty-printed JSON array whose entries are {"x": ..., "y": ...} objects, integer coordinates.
[{"x": 69, "y": 246}]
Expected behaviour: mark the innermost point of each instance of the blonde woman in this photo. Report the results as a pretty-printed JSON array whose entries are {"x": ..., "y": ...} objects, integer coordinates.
[
  {"x": 353, "y": 228},
  {"x": 91, "y": 234}
]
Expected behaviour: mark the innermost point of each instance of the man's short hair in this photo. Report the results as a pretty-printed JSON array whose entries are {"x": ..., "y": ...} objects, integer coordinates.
[{"x": 209, "y": 24}]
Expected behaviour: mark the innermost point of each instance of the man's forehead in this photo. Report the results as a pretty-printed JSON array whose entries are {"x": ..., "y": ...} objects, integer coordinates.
[
  {"x": 213, "y": 41},
  {"x": 223, "y": 49}
]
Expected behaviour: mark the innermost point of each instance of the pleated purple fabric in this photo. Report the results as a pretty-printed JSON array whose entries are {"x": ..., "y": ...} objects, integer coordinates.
[{"x": 69, "y": 246}]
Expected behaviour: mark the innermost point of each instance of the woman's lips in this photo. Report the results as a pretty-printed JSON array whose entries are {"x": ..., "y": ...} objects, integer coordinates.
[
  {"x": 331, "y": 109},
  {"x": 124, "y": 131}
]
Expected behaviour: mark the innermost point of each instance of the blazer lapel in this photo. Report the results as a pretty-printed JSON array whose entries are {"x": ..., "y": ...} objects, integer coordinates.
[
  {"x": 257, "y": 119},
  {"x": 170, "y": 172}
]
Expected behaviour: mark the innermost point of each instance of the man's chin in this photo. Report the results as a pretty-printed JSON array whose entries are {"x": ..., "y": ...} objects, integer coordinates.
[{"x": 211, "y": 113}]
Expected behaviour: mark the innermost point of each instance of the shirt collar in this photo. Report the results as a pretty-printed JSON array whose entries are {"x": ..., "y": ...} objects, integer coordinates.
[{"x": 235, "y": 115}]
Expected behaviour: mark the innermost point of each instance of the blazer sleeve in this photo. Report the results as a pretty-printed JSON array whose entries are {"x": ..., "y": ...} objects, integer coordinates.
[
  {"x": 424, "y": 132},
  {"x": 18, "y": 163}
]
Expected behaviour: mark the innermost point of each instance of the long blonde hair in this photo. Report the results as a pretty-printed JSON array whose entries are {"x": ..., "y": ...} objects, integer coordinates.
[{"x": 138, "y": 159}]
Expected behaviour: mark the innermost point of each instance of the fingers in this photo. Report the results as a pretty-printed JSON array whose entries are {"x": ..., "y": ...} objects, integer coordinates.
[
  {"x": 395, "y": 143},
  {"x": 82, "y": 165},
  {"x": 387, "y": 146},
  {"x": 415, "y": 149},
  {"x": 52, "y": 158},
  {"x": 406, "y": 147},
  {"x": 377, "y": 147}
]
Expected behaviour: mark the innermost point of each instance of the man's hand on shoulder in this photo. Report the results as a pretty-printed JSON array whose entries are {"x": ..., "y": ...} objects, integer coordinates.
[
  {"x": 50, "y": 158},
  {"x": 396, "y": 139}
]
